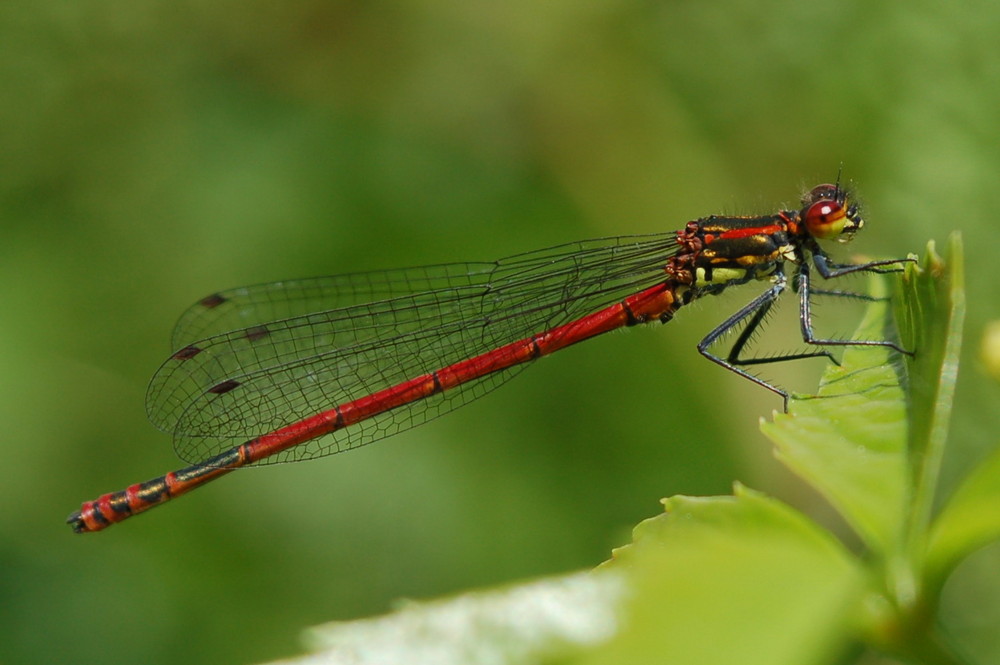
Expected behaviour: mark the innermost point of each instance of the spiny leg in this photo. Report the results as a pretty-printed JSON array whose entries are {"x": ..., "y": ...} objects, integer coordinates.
[
  {"x": 837, "y": 293},
  {"x": 828, "y": 270},
  {"x": 756, "y": 320},
  {"x": 805, "y": 311},
  {"x": 852, "y": 295},
  {"x": 756, "y": 311}
]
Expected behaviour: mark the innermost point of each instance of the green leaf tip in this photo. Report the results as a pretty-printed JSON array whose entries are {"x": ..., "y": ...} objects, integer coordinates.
[{"x": 870, "y": 440}]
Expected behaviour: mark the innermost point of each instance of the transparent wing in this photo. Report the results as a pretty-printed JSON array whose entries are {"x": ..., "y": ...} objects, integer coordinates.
[{"x": 255, "y": 359}]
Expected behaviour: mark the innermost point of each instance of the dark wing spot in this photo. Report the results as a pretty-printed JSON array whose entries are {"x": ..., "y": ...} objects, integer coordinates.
[
  {"x": 223, "y": 387},
  {"x": 186, "y": 353},
  {"x": 212, "y": 301}
]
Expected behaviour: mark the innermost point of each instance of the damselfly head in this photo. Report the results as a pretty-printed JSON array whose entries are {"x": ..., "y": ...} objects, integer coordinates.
[{"x": 829, "y": 215}]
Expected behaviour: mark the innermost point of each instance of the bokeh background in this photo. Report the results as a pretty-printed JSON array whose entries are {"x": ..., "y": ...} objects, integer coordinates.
[{"x": 154, "y": 152}]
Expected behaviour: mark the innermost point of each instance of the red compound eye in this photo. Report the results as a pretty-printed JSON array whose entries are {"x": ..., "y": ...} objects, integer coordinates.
[
  {"x": 822, "y": 192},
  {"x": 825, "y": 219}
]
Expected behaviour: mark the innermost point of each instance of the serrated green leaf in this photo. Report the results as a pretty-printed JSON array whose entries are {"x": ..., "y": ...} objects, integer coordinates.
[
  {"x": 712, "y": 573},
  {"x": 872, "y": 443},
  {"x": 871, "y": 440},
  {"x": 849, "y": 441}
]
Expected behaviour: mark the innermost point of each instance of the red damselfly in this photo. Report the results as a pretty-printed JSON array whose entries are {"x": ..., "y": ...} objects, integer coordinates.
[{"x": 301, "y": 369}]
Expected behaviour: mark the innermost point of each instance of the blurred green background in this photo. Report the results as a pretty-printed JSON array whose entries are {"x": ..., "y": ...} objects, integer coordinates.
[{"x": 154, "y": 152}]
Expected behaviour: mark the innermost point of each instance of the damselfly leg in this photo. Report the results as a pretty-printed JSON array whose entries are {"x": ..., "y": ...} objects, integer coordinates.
[{"x": 756, "y": 312}]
